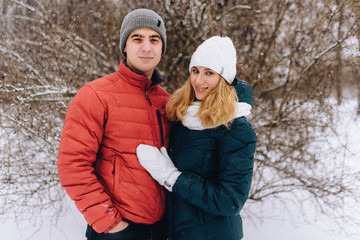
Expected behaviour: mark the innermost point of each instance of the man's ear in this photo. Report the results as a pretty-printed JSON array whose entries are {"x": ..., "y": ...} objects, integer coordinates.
[{"x": 125, "y": 51}]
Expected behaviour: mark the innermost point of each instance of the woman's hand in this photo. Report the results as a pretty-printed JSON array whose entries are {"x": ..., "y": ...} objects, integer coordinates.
[{"x": 121, "y": 226}]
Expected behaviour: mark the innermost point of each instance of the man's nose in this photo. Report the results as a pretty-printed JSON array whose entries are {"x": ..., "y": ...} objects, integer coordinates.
[{"x": 146, "y": 46}]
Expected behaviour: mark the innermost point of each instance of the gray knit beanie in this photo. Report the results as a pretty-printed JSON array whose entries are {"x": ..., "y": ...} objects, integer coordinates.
[{"x": 142, "y": 18}]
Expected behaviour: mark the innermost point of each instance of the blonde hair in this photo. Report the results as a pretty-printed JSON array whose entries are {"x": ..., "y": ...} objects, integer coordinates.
[{"x": 217, "y": 108}]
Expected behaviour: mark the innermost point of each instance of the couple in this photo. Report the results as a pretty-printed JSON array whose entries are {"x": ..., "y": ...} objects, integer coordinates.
[{"x": 113, "y": 159}]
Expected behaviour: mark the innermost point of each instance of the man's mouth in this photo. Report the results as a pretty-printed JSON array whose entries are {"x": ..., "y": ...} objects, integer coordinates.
[{"x": 146, "y": 58}]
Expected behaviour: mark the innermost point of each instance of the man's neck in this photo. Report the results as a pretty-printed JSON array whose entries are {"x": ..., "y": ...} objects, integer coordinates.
[{"x": 147, "y": 74}]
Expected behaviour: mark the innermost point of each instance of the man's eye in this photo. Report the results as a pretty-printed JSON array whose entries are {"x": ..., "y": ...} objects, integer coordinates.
[{"x": 155, "y": 40}]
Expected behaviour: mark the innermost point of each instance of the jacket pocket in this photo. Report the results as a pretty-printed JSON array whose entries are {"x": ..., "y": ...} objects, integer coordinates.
[{"x": 117, "y": 177}]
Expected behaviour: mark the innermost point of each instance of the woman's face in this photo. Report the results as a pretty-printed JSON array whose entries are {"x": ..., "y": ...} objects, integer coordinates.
[{"x": 203, "y": 80}]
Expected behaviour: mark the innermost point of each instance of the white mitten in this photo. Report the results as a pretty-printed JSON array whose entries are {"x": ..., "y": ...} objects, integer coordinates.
[{"x": 158, "y": 164}]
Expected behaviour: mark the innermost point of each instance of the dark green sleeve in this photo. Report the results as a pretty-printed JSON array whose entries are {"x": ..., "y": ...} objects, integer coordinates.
[{"x": 226, "y": 194}]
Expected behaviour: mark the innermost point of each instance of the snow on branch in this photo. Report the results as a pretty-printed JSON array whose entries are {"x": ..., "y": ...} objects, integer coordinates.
[
  {"x": 28, "y": 7},
  {"x": 17, "y": 57}
]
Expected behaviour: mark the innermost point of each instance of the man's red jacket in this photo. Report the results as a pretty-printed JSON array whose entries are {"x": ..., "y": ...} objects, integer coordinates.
[{"x": 97, "y": 163}]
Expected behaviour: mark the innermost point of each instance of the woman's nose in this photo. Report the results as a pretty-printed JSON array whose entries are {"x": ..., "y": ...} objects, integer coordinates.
[{"x": 199, "y": 78}]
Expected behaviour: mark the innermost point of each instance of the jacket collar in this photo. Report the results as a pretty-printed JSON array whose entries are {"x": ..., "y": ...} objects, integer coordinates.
[
  {"x": 192, "y": 122},
  {"x": 138, "y": 79}
]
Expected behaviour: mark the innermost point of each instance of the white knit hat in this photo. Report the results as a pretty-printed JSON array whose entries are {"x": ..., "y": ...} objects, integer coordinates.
[{"x": 218, "y": 54}]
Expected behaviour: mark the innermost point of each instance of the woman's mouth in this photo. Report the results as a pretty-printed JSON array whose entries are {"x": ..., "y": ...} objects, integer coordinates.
[{"x": 203, "y": 89}]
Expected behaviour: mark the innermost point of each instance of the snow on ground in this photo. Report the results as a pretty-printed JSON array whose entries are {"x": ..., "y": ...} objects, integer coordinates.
[
  {"x": 72, "y": 225},
  {"x": 349, "y": 125}
]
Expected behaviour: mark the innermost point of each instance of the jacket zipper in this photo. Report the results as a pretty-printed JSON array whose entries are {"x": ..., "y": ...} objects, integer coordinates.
[
  {"x": 161, "y": 128},
  {"x": 158, "y": 115}
]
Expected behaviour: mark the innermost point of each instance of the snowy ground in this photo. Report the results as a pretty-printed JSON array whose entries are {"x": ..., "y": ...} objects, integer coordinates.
[{"x": 72, "y": 225}]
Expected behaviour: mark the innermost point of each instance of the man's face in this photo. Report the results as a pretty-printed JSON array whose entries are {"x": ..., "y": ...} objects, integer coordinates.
[{"x": 143, "y": 51}]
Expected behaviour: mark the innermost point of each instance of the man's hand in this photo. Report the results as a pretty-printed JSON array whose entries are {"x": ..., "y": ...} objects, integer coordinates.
[
  {"x": 121, "y": 226},
  {"x": 158, "y": 164}
]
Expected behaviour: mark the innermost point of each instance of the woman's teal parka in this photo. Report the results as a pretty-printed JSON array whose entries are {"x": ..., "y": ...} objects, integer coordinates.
[{"x": 217, "y": 167}]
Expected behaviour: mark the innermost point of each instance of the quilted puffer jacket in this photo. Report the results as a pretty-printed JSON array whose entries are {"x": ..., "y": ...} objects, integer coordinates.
[
  {"x": 97, "y": 162},
  {"x": 217, "y": 167}
]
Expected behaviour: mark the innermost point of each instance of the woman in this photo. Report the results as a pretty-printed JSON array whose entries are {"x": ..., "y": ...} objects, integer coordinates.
[{"x": 209, "y": 167}]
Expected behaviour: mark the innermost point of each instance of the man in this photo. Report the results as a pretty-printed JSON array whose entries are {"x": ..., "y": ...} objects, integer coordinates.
[{"x": 107, "y": 119}]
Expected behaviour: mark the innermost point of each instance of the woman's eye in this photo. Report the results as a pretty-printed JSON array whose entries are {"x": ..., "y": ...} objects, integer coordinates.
[
  {"x": 209, "y": 73},
  {"x": 195, "y": 70}
]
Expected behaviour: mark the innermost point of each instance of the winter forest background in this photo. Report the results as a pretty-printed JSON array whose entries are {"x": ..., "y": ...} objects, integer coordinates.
[{"x": 301, "y": 58}]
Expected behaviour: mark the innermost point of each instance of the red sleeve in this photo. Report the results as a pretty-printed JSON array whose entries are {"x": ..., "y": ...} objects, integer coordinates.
[{"x": 80, "y": 141}]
